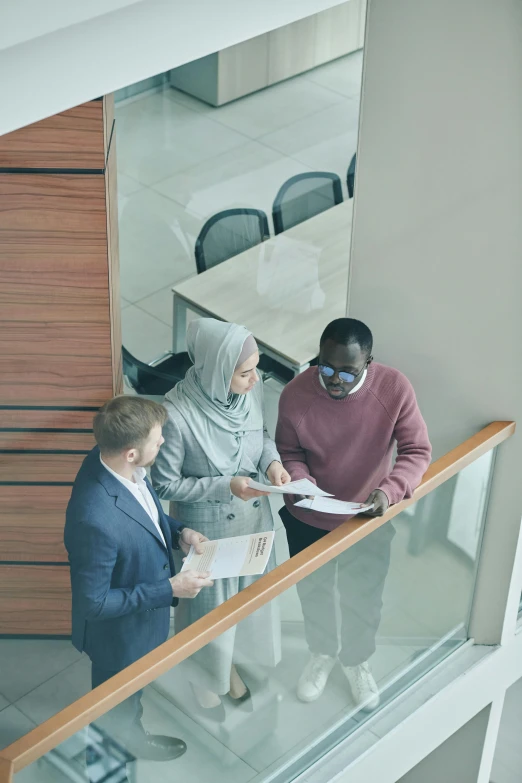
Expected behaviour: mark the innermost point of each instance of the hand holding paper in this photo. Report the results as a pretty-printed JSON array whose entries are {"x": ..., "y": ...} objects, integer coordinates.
[
  {"x": 329, "y": 505},
  {"x": 235, "y": 556},
  {"x": 300, "y": 487}
]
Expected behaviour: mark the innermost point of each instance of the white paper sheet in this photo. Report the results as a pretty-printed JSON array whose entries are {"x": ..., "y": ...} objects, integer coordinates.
[
  {"x": 235, "y": 556},
  {"x": 331, "y": 506},
  {"x": 300, "y": 487}
]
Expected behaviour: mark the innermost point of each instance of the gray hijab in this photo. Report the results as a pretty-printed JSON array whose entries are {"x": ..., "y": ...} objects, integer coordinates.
[{"x": 217, "y": 418}]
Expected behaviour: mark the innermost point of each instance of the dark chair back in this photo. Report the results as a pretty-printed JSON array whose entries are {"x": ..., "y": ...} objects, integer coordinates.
[
  {"x": 303, "y": 196},
  {"x": 229, "y": 233},
  {"x": 154, "y": 380},
  {"x": 350, "y": 177}
]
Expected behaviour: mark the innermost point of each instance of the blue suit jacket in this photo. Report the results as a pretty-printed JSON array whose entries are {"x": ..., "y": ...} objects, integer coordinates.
[{"x": 120, "y": 569}]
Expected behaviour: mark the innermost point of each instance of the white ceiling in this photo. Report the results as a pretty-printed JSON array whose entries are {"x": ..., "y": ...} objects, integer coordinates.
[{"x": 75, "y": 53}]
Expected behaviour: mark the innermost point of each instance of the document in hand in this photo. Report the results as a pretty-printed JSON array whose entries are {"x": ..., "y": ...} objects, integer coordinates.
[
  {"x": 236, "y": 556},
  {"x": 300, "y": 487},
  {"x": 332, "y": 506}
]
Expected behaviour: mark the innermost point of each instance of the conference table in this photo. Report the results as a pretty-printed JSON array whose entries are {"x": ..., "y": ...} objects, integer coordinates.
[{"x": 285, "y": 290}]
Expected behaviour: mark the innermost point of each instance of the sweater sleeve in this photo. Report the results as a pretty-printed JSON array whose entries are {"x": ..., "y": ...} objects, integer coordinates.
[
  {"x": 293, "y": 456},
  {"x": 413, "y": 451}
]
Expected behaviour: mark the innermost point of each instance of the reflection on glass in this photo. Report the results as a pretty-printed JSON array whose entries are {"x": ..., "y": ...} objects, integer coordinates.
[
  {"x": 184, "y": 161},
  {"x": 403, "y": 598}
]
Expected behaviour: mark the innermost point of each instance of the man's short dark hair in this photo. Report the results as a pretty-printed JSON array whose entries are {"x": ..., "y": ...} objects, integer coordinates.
[
  {"x": 349, "y": 331},
  {"x": 125, "y": 422}
]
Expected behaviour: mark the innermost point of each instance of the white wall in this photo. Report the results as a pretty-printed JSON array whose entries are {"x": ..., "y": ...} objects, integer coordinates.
[
  {"x": 22, "y": 20},
  {"x": 43, "y": 75},
  {"x": 458, "y": 759},
  {"x": 436, "y": 263}
]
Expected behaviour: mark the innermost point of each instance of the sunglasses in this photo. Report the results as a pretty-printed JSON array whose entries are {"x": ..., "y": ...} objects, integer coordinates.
[{"x": 346, "y": 377}]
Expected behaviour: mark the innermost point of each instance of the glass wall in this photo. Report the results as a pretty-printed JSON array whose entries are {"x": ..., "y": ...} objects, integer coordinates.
[
  {"x": 187, "y": 153},
  {"x": 398, "y": 600}
]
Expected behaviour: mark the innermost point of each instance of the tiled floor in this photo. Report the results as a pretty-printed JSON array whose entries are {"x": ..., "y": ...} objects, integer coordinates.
[
  {"x": 38, "y": 677},
  {"x": 181, "y": 161}
]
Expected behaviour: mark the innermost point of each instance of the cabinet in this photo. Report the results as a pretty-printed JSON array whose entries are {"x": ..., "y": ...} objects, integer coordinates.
[{"x": 249, "y": 66}]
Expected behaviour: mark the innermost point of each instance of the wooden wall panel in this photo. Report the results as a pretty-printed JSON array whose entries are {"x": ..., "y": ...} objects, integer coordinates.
[
  {"x": 31, "y": 523},
  {"x": 73, "y": 139},
  {"x": 114, "y": 266},
  {"x": 47, "y": 441},
  {"x": 23, "y": 382},
  {"x": 55, "y": 322},
  {"x": 60, "y": 344},
  {"x": 45, "y": 419},
  {"x": 35, "y": 600},
  {"x": 42, "y": 468}
]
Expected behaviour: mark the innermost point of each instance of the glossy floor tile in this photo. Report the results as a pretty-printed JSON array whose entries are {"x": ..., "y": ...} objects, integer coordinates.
[
  {"x": 248, "y": 176},
  {"x": 343, "y": 75},
  {"x": 336, "y": 122},
  {"x": 157, "y": 137},
  {"x": 274, "y": 107},
  {"x": 58, "y": 692},
  {"x": 27, "y": 663},
  {"x": 144, "y": 335},
  {"x": 157, "y": 238},
  {"x": 13, "y": 725}
]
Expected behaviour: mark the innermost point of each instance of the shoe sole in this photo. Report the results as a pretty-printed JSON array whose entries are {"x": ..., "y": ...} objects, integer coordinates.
[{"x": 309, "y": 700}]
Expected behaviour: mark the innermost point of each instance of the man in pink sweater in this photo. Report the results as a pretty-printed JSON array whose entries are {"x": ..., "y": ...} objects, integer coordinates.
[{"x": 338, "y": 425}]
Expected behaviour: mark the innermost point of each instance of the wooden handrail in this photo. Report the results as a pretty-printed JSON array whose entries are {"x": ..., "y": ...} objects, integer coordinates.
[
  {"x": 6, "y": 770},
  {"x": 88, "y": 708}
]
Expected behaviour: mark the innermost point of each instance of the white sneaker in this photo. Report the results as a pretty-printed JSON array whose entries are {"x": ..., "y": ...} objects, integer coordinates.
[
  {"x": 313, "y": 680},
  {"x": 364, "y": 689}
]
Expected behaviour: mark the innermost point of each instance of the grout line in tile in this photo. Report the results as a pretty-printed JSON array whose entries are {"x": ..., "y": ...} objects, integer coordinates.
[
  {"x": 259, "y": 139},
  {"x": 173, "y": 200},
  {"x": 283, "y": 127},
  {"x": 331, "y": 89},
  {"x": 163, "y": 323},
  {"x": 157, "y": 291},
  {"x": 195, "y": 165},
  {"x": 56, "y": 674}
]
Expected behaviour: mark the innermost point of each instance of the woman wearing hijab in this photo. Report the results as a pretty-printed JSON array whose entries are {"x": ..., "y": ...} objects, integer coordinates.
[{"x": 215, "y": 441}]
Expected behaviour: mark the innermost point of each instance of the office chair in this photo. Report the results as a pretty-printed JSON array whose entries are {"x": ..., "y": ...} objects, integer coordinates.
[
  {"x": 303, "y": 196},
  {"x": 350, "y": 177},
  {"x": 270, "y": 368},
  {"x": 228, "y": 233},
  {"x": 156, "y": 379}
]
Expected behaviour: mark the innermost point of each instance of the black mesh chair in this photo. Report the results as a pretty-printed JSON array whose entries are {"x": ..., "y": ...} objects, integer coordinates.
[
  {"x": 156, "y": 379},
  {"x": 303, "y": 196},
  {"x": 350, "y": 177},
  {"x": 228, "y": 233},
  {"x": 270, "y": 368}
]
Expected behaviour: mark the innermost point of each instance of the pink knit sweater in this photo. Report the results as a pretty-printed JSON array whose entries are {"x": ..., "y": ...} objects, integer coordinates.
[{"x": 346, "y": 446}]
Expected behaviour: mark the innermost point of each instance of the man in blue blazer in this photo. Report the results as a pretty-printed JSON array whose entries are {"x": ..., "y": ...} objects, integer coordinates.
[{"x": 120, "y": 545}]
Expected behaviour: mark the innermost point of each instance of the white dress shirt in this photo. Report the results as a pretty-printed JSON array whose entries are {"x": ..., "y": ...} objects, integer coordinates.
[{"x": 141, "y": 492}]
